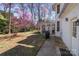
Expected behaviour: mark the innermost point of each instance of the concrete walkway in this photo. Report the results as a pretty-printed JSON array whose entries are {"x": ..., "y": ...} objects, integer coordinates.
[{"x": 49, "y": 49}]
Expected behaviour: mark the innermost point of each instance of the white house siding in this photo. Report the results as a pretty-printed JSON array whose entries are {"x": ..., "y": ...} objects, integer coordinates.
[
  {"x": 78, "y": 38},
  {"x": 71, "y": 42},
  {"x": 66, "y": 33},
  {"x": 58, "y": 33}
]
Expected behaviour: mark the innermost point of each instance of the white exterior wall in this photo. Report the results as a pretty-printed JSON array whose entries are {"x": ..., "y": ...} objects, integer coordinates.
[
  {"x": 78, "y": 38},
  {"x": 71, "y": 42},
  {"x": 66, "y": 33},
  {"x": 59, "y": 33}
]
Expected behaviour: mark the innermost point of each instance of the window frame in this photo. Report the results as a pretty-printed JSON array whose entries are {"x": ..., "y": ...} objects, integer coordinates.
[
  {"x": 74, "y": 34},
  {"x": 58, "y": 26},
  {"x": 74, "y": 30}
]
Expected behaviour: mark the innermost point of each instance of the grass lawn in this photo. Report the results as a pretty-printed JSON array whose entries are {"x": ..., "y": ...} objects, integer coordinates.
[{"x": 27, "y": 47}]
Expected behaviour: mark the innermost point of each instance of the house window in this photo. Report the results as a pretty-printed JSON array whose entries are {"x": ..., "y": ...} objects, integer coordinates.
[
  {"x": 48, "y": 24},
  {"x": 58, "y": 26},
  {"x": 74, "y": 29},
  {"x": 58, "y": 8},
  {"x": 77, "y": 22}
]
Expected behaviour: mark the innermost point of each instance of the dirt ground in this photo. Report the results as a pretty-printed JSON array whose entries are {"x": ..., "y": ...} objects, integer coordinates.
[{"x": 6, "y": 44}]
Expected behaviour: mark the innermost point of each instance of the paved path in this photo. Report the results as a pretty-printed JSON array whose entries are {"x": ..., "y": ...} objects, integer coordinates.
[{"x": 49, "y": 49}]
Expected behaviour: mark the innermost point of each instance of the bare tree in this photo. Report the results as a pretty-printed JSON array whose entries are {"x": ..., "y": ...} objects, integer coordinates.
[
  {"x": 9, "y": 18},
  {"x": 39, "y": 12}
]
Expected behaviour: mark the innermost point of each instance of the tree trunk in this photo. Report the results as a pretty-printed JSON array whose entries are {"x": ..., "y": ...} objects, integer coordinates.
[
  {"x": 9, "y": 18},
  {"x": 32, "y": 12},
  {"x": 39, "y": 12}
]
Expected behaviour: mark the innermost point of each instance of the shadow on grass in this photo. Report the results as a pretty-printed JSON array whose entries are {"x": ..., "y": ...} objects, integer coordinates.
[
  {"x": 19, "y": 51},
  {"x": 34, "y": 40},
  {"x": 30, "y": 39}
]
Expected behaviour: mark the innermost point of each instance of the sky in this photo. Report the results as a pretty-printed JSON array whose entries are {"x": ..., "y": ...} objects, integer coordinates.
[{"x": 46, "y": 11}]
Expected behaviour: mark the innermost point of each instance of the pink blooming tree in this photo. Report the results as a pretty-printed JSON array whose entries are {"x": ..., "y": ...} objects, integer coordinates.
[{"x": 25, "y": 19}]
